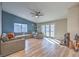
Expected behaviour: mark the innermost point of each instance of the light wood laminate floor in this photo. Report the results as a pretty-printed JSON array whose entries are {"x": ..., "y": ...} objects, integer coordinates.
[{"x": 44, "y": 48}]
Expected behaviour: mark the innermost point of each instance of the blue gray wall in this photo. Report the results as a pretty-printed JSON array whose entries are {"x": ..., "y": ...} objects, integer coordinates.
[
  {"x": 8, "y": 21},
  {"x": 0, "y": 18}
]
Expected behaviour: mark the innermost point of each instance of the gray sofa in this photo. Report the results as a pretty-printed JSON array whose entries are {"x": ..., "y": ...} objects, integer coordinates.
[
  {"x": 9, "y": 47},
  {"x": 38, "y": 35}
]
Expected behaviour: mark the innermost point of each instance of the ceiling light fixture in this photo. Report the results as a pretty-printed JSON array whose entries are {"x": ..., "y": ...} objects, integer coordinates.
[{"x": 36, "y": 14}]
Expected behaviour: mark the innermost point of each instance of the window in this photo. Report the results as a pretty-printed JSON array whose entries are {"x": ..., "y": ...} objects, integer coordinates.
[
  {"x": 18, "y": 28},
  {"x": 48, "y": 30},
  {"x": 43, "y": 29},
  {"x": 24, "y": 27},
  {"x": 52, "y": 30}
]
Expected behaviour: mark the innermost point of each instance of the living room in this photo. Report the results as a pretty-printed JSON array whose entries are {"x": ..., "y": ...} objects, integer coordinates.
[{"x": 39, "y": 29}]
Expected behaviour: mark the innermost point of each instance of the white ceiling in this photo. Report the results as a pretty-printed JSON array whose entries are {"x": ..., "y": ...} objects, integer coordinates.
[{"x": 51, "y": 10}]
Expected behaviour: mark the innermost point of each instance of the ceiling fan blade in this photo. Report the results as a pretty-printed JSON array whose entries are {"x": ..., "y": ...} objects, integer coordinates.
[
  {"x": 41, "y": 15},
  {"x": 32, "y": 13},
  {"x": 36, "y": 13}
]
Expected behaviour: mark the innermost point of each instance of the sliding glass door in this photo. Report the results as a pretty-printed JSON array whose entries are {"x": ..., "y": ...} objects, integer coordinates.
[
  {"x": 48, "y": 30},
  {"x": 43, "y": 29},
  {"x": 52, "y": 30}
]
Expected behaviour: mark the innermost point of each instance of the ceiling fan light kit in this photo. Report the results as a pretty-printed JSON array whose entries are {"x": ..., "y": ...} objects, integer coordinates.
[{"x": 36, "y": 16}]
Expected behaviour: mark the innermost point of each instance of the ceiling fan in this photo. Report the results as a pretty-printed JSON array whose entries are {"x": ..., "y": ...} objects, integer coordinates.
[{"x": 36, "y": 13}]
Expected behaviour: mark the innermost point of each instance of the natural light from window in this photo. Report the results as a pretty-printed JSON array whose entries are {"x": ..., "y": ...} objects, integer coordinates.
[
  {"x": 20, "y": 28},
  {"x": 48, "y": 30}
]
